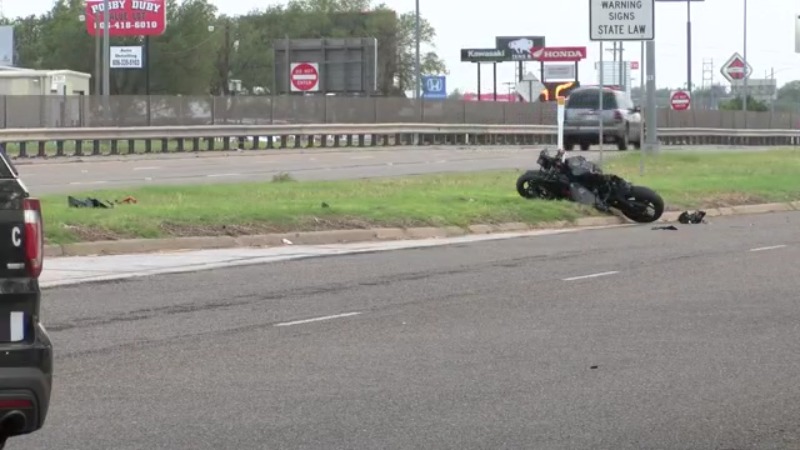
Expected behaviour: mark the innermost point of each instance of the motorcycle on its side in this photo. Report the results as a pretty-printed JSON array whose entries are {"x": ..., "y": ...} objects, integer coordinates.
[{"x": 582, "y": 181}]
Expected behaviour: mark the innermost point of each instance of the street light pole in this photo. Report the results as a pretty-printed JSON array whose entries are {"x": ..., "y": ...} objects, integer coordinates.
[
  {"x": 417, "y": 57},
  {"x": 744, "y": 96},
  {"x": 689, "y": 45}
]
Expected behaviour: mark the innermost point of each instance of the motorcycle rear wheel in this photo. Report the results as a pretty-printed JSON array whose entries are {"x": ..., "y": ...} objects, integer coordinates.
[
  {"x": 530, "y": 185},
  {"x": 649, "y": 205}
]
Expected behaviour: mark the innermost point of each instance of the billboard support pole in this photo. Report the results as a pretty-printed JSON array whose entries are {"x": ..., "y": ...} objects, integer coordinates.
[
  {"x": 97, "y": 56},
  {"x": 106, "y": 51},
  {"x": 600, "y": 103}
]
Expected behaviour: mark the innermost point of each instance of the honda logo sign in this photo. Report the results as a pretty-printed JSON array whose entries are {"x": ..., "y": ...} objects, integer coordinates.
[{"x": 560, "y": 54}]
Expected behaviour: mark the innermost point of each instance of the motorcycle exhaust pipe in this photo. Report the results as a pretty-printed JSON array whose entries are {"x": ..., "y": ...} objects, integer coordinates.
[{"x": 13, "y": 423}]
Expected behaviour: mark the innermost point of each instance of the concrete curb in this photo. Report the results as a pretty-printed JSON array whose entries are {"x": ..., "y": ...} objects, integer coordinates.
[{"x": 132, "y": 246}]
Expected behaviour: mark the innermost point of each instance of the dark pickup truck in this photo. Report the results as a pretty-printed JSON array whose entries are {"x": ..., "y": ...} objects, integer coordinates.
[{"x": 26, "y": 354}]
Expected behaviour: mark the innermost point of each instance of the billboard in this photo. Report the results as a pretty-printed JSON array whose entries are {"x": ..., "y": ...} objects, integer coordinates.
[
  {"x": 519, "y": 48},
  {"x": 343, "y": 65},
  {"x": 127, "y": 17}
]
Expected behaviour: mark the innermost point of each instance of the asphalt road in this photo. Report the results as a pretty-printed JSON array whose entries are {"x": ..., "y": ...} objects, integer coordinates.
[
  {"x": 624, "y": 338},
  {"x": 47, "y": 177}
]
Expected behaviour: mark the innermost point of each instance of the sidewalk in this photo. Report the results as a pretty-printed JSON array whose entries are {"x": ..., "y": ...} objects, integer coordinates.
[{"x": 84, "y": 269}]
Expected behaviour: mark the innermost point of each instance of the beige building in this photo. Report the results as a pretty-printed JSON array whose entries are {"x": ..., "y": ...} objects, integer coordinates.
[{"x": 41, "y": 98}]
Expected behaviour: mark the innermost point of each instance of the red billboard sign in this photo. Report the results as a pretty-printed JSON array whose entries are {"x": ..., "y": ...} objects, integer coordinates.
[
  {"x": 559, "y": 54},
  {"x": 127, "y": 17}
]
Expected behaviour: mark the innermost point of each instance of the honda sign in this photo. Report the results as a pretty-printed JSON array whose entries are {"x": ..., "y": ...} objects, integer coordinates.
[{"x": 559, "y": 54}]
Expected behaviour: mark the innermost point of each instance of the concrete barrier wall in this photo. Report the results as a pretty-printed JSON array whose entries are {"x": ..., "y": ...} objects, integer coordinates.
[{"x": 89, "y": 111}]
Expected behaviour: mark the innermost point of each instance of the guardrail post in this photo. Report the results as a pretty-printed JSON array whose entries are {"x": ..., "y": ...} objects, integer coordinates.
[
  {"x": 210, "y": 143},
  {"x": 42, "y": 149},
  {"x": 195, "y": 144},
  {"x": 78, "y": 147},
  {"x": 241, "y": 142},
  {"x": 59, "y": 148},
  {"x": 297, "y": 141},
  {"x": 181, "y": 145},
  {"x": 131, "y": 146},
  {"x": 164, "y": 145},
  {"x": 95, "y": 147},
  {"x": 226, "y": 143}
]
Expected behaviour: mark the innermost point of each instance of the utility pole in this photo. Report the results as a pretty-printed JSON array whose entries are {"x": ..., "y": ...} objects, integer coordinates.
[
  {"x": 226, "y": 83},
  {"x": 417, "y": 58}
]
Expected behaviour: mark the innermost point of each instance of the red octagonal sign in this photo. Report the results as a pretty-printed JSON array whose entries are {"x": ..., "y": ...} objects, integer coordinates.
[
  {"x": 680, "y": 100},
  {"x": 304, "y": 77}
]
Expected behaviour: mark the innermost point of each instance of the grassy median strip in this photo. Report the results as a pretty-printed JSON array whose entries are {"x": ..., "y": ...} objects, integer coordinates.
[{"x": 686, "y": 180}]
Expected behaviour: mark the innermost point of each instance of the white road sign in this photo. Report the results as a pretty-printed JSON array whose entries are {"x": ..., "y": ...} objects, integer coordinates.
[
  {"x": 559, "y": 72},
  {"x": 622, "y": 20},
  {"x": 126, "y": 57}
]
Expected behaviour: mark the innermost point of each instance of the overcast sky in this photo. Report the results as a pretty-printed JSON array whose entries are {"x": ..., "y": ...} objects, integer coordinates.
[{"x": 717, "y": 27}]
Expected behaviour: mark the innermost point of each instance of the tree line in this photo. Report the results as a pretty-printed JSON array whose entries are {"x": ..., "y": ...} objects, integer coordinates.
[{"x": 202, "y": 49}]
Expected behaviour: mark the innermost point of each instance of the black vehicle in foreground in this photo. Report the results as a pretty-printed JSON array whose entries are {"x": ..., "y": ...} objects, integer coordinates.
[
  {"x": 26, "y": 354},
  {"x": 580, "y": 180}
]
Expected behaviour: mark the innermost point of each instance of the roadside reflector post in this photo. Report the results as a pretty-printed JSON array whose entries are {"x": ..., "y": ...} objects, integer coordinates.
[{"x": 560, "y": 119}]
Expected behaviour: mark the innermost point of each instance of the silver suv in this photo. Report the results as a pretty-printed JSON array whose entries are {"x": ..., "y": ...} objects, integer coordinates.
[{"x": 622, "y": 121}]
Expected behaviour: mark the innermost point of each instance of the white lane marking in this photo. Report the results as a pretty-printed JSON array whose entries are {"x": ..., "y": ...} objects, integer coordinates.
[
  {"x": 594, "y": 275},
  {"x": 215, "y": 175},
  {"x": 362, "y": 157},
  {"x": 147, "y": 168},
  {"x": 771, "y": 247},
  {"x": 316, "y": 319},
  {"x": 88, "y": 182}
]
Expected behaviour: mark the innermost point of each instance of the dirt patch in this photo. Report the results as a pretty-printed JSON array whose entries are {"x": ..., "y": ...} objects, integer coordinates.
[{"x": 720, "y": 200}]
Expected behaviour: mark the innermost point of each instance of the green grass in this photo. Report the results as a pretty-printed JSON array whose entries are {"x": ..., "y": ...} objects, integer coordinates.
[{"x": 685, "y": 180}]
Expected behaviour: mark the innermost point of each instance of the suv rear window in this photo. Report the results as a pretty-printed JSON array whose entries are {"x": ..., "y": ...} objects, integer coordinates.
[{"x": 590, "y": 100}]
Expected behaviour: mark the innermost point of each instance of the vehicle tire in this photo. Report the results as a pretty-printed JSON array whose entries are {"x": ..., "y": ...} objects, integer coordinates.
[
  {"x": 649, "y": 199},
  {"x": 529, "y": 186},
  {"x": 568, "y": 146},
  {"x": 623, "y": 141},
  {"x": 585, "y": 146}
]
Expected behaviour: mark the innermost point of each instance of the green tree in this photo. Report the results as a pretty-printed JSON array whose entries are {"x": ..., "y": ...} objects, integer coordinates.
[
  {"x": 735, "y": 104},
  {"x": 430, "y": 62},
  {"x": 788, "y": 97}
]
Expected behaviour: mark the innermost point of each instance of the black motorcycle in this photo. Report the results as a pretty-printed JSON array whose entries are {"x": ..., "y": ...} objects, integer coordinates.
[{"x": 580, "y": 180}]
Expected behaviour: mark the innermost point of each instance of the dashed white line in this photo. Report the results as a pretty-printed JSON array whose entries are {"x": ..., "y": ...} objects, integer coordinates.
[
  {"x": 87, "y": 182},
  {"x": 147, "y": 168},
  {"x": 771, "y": 247},
  {"x": 317, "y": 319},
  {"x": 362, "y": 157},
  {"x": 216, "y": 175},
  {"x": 594, "y": 275}
]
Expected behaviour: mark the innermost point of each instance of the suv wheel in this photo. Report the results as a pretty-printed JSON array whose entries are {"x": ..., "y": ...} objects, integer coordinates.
[
  {"x": 622, "y": 142},
  {"x": 585, "y": 146}
]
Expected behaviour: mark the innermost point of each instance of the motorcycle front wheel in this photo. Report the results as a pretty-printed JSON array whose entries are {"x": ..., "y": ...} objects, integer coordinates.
[
  {"x": 531, "y": 185},
  {"x": 646, "y": 205}
]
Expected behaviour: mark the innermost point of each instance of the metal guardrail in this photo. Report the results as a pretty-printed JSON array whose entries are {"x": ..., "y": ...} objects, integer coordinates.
[{"x": 127, "y": 140}]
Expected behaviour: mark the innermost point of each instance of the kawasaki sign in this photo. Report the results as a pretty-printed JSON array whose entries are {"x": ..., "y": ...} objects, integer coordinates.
[{"x": 483, "y": 55}]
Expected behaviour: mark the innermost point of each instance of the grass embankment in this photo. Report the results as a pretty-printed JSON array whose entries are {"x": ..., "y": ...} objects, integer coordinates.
[{"x": 686, "y": 180}]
